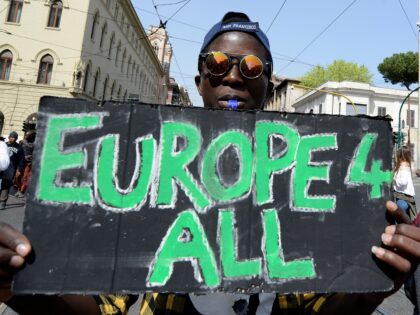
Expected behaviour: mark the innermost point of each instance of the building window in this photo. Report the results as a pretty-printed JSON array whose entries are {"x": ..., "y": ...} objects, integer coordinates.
[
  {"x": 104, "y": 90},
  {"x": 116, "y": 12},
  {"x": 55, "y": 14},
  {"x": 45, "y": 70},
  {"x": 360, "y": 108},
  {"x": 123, "y": 61},
  {"x": 143, "y": 83},
  {"x": 118, "y": 53},
  {"x": 133, "y": 71},
  {"x": 87, "y": 74},
  {"x": 15, "y": 11},
  {"x": 77, "y": 78},
  {"x": 119, "y": 93},
  {"x": 94, "y": 22},
  {"x": 156, "y": 48},
  {"x": 381, "y": 111},
  {"x": 320, "y": 108},
  {"x": 128, "y": 66},
  {"x": 112, "y": 90},
  {"x": 6, "y": 58},
  {"x": 95, "y": 82},
  {"x": 111, "y": 44},
  {"x": 410, "y": 118},
  {"x": 103, "y": 32},
  {"x": 140, "y": 79},
  {"x": 125, "y": 95},
  {"x": 136, "y": 76}
]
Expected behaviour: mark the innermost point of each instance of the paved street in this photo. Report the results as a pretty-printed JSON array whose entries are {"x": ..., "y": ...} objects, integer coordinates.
[{"x": 396, "y": 304}]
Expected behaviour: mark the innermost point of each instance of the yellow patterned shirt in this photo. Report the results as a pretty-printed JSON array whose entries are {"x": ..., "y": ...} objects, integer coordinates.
[{"x": 177, "y": 304}]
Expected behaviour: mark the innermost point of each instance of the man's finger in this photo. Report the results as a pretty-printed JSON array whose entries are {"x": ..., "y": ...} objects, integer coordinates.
[
  {"x": 14, "y": 240},
  {"x": 399, "y": 215},
  {"x": 406, "y": 230},
  {"x": 404, "y": 245},
  {"x": 5, "y": 256},
  {"x": 393, "y": 259}
]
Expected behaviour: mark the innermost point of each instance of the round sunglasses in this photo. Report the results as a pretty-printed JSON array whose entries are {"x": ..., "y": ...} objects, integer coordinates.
[{"x": 219, "y": 63}]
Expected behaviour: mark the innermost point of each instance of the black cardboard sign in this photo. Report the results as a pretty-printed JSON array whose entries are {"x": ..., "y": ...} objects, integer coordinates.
[{"x": 130, "y": 197}]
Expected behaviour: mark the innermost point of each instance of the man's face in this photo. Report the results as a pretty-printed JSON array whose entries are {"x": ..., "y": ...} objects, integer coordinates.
[
  {"x": 217, "y": 90},
  {"x": 12, "y": 140}
]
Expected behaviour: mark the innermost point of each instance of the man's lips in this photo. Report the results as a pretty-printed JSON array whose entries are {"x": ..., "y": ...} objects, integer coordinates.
[{"x": 224, "y": 101}]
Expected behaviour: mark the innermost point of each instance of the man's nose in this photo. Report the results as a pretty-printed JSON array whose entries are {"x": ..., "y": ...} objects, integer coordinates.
[{"x": 233, "y": 77}]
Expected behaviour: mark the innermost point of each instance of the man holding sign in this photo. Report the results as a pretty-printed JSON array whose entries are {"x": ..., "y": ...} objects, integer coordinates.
[{"x": 235, "y": 67}]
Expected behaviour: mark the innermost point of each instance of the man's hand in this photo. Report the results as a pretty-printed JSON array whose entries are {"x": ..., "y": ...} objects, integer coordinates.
[
  {"x": 402, "y": 244},
  {"x": 14, "y": 249},
  {"x": 401, "y": 252}
]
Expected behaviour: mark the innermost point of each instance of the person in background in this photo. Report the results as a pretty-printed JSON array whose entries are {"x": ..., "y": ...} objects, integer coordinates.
[
  {"x": 404, "y": 197},
  {"x": 4, "y": 157},
  {"x": 9, "y": 174},
  {"x": 25, "y": 165},
  {"x": 403, "y": 182},
  {"x": 17, "y": 181}
]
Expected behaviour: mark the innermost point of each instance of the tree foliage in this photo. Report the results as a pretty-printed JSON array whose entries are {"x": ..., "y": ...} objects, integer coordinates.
[
  {"x": 338, "y": 70},
  {"x": 401, "y": 68}
]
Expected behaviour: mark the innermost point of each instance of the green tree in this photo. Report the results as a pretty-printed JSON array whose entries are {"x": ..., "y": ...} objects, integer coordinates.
[
  {"x": 401, "y": 68},
  {"x": 338, "y": 70}
]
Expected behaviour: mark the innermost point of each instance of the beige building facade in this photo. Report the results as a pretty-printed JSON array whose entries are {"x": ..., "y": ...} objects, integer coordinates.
[
  {"x": 283, "y": 95},
  {"x": 91, "y": 49},
  {"x": 159, "y": 40},
  {"x": 353, "y": 98}
]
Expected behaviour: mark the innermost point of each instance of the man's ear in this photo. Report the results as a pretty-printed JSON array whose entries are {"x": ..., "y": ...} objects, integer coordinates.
[
  {"x": 197, "y": 80},
  {"x": 270, "y": 87}
]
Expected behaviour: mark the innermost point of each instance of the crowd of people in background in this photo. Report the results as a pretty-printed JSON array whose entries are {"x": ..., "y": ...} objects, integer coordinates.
[
  {"x": 404, "y": 198},
  {"x": 18, "y": 157}
]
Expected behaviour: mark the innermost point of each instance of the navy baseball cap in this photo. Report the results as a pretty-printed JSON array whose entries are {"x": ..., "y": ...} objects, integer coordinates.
[{"x": 242, "y": 24}]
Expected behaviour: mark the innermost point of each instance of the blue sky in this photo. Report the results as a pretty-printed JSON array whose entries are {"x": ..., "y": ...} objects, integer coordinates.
[{"x": 366, "y": 33}]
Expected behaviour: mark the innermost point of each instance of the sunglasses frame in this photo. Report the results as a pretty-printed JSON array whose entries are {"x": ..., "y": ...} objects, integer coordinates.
[{"x": 267, "y": 65}]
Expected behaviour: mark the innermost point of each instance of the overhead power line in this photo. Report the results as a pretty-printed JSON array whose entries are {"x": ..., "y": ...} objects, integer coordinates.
[
  {"x": 277, "y": 14},
  {"x": 296, "y": 61},
  {"x": 173, "y": 20},
  {"x": 179, "y": 68},
  {"x": 408, "y": 20},
  {"x": 177, "y": 11},
  {"x": 157, "y": 12},
  {"x": 319, "y": 35},
  {"x": 172, "y": 3},
  {"x": 186, "y": 40}
]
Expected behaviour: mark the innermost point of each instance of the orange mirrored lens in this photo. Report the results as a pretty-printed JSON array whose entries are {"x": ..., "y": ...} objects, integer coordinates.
[
  {"x": 251, "y": 66},
  {"x": 217, "y": 63}
]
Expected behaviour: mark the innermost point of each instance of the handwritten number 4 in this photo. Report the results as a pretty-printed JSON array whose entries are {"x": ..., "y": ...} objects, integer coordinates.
[{"x": 375, "y": 177}]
